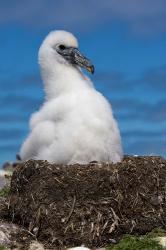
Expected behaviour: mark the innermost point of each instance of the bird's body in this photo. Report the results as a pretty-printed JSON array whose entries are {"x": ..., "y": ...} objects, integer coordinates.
[{"x": 75, "y": 123}]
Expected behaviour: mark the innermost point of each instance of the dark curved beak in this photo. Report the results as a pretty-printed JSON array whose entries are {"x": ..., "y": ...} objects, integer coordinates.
[{"x": 74, "y": 56}]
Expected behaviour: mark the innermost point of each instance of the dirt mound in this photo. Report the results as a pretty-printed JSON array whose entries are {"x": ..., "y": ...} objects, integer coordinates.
[{"x": 89, "y": 204}]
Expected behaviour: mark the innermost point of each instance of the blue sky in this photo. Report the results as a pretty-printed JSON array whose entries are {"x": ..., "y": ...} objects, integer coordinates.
[{"x": 125, "y": 39}]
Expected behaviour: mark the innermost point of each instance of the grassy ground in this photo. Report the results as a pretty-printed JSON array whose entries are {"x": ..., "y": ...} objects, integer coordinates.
[{"x": 146, "y": 242}]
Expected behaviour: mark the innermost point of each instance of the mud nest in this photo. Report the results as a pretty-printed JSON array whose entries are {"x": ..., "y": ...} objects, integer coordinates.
[{"x": 92, "y": 204}]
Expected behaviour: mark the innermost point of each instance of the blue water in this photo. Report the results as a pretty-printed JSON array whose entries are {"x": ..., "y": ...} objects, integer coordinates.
[
  {"x": 141, "y": 118},
  {"x": 130, "y": 72}
]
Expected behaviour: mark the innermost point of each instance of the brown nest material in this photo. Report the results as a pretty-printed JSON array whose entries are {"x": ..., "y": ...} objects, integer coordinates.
[{"x": 89, "y": 204}]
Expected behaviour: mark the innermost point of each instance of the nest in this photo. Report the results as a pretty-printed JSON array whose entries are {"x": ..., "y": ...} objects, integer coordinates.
[{"x": 92, "y": 204}]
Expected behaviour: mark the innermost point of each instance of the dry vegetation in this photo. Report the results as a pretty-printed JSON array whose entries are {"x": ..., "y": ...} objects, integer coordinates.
[{"x": 94, "y": 204}]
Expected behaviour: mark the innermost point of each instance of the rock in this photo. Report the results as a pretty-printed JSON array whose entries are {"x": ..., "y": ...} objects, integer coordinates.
[
  {"x": 79, "y": 248},
  {"x": 36, "y": 246},
  {"x": 6, "y": 230},
  {"x": 91, "y": 205}
]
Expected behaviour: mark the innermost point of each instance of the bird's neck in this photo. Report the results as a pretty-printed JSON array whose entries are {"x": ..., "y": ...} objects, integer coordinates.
[{"x": 61, "y": 79}]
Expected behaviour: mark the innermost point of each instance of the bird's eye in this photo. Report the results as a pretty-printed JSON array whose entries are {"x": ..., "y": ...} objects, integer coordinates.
[{"x": 62, "y": 47}]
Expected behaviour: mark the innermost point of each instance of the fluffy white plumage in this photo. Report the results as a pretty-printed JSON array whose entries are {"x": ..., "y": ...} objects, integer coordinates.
[{"x": 75, "y": 123}]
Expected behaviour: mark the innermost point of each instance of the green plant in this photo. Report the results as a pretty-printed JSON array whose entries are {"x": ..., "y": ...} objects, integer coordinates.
[
  {"x": 4, "y": 192},
  {"x": 130, "y": 242},
  {"x": 3, "y": 248}
]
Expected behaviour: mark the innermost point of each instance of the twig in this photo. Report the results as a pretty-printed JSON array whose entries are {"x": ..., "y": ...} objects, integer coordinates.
[
  {"x": 72, "y": 209},
  {"x": 115, "y": 223},
  {"x": 25, "y": 230}
]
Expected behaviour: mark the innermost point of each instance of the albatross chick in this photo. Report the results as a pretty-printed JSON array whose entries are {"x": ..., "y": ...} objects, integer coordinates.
[{"x": 75, "y": 123}]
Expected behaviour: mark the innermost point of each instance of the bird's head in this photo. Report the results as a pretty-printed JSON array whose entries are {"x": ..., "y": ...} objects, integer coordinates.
[{"x": 62, "y": 47}]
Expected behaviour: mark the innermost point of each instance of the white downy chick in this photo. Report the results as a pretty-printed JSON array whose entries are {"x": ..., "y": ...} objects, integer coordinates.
[{"x": 75, "y": 123}]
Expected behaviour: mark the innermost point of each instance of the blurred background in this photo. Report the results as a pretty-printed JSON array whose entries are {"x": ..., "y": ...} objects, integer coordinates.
[{"x": 126, "y": 41}]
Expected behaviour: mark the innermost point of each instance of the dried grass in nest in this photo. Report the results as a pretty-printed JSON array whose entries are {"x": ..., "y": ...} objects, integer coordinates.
[{"x": 89, "y": 204}]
